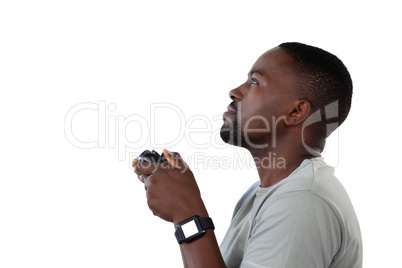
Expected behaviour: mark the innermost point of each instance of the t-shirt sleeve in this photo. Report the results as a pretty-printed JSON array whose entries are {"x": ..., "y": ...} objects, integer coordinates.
[{"x": 296, "y": 229}]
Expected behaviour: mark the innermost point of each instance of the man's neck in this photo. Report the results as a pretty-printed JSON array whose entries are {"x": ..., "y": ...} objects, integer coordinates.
[{"x": 275, "y": 164}]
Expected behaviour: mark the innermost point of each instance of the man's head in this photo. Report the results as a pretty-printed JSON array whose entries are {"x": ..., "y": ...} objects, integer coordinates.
[
  {"x": 285, "y": 86},
  {"x": 323, "y": 78}
]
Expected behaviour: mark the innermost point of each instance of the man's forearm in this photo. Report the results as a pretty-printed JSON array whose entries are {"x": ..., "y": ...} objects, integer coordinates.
[{"x": 203, "y": 252}]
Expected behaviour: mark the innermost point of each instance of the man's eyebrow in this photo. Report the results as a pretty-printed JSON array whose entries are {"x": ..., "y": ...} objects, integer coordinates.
[{"x": 253, "y": 72}]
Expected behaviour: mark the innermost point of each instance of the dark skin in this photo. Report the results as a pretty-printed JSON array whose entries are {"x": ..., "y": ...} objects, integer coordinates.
[{"x": 266, "y": 96}]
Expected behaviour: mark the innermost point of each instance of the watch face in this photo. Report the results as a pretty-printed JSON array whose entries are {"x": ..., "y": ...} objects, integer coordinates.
[{"x": 189, "y": 228}]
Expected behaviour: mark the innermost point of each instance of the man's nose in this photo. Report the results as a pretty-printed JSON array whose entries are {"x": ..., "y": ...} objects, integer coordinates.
[{"x": 235, "y": 94}]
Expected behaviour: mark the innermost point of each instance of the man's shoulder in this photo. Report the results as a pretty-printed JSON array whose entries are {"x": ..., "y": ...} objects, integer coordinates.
[
  {"x": 313, "y": 175},
  {"x": 313, "y": 181},
  {"x": 310, "y": 204},
  {"x": 300, "y": 179},
  {"x": 246, "y": 196},
  {"x": 312, "y": 184}
]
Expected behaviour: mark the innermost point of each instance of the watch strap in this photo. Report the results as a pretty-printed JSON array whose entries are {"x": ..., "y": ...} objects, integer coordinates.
[{"x": 206, "y": 223}]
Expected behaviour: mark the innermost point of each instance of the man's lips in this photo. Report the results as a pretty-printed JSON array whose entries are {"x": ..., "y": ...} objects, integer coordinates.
[
  {"x": 231, "y": 110},
  {"x": 228, "y": 114},
  {"x": 232, "y": 107}
]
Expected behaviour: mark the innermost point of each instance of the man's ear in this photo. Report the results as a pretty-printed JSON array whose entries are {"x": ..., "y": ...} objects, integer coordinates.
[{"x": 298, "y": 113}]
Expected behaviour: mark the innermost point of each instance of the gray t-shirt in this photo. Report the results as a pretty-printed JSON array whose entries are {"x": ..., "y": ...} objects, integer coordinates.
[{"x": 306, "y": 220}]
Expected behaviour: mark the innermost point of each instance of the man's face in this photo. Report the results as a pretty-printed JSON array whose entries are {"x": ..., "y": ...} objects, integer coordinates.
[{"x": 254, "y": 118}]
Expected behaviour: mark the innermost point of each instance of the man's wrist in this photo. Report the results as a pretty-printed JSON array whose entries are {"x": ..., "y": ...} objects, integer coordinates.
[
  {"x": 202, "y": 212},
  {"x": 193, "y": 228}
]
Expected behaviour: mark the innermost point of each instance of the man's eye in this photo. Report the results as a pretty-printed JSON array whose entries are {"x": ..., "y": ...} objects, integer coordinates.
[{"x": 253, "y": 81}]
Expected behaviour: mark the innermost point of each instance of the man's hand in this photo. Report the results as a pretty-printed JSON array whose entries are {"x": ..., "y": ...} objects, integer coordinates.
[{"x": 171, "y": 189}]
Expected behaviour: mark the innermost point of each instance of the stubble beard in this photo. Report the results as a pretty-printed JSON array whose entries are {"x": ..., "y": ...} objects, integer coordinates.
[{"x": 232, "y": 134}]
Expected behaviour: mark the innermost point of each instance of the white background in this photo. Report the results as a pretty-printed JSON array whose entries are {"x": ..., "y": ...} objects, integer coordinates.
[{"x": 63, "y": 206}]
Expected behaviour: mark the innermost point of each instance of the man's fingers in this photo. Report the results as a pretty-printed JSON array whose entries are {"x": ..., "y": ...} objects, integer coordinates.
[
  {"x": 170, "y": 158},
  {"x": 142, "y": 167},
  {"x": 143, "y": 178},
  {"x": 174, "y": 159}
]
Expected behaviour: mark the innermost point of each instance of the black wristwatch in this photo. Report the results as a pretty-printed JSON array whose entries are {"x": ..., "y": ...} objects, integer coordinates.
[{"x": 192, "y": 228}]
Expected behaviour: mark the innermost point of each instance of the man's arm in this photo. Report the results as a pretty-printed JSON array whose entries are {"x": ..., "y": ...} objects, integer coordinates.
[
  {"x": 183, "y": 258},
  {"x": 173, "y": 195},
  {"x": 203, "y": 252}
]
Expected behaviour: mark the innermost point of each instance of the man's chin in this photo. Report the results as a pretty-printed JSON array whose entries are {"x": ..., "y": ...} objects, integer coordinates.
[
  {"x": 230, "y": 137},
  {"x": 225, "y": 136}
]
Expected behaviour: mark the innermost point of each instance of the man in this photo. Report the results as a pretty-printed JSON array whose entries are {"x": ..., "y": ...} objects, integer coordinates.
[{"x": 297, "y": 214}]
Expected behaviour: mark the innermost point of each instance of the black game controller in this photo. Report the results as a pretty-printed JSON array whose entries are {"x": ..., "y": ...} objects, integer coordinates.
[{"x": 151, "y": 156}]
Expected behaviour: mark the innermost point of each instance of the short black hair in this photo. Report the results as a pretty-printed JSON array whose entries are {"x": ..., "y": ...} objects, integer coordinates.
[{"x": 322, "y": 78}]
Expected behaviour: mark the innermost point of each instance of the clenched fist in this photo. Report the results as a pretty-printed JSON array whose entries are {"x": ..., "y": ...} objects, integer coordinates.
[{"x": 171, "y": 189}]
